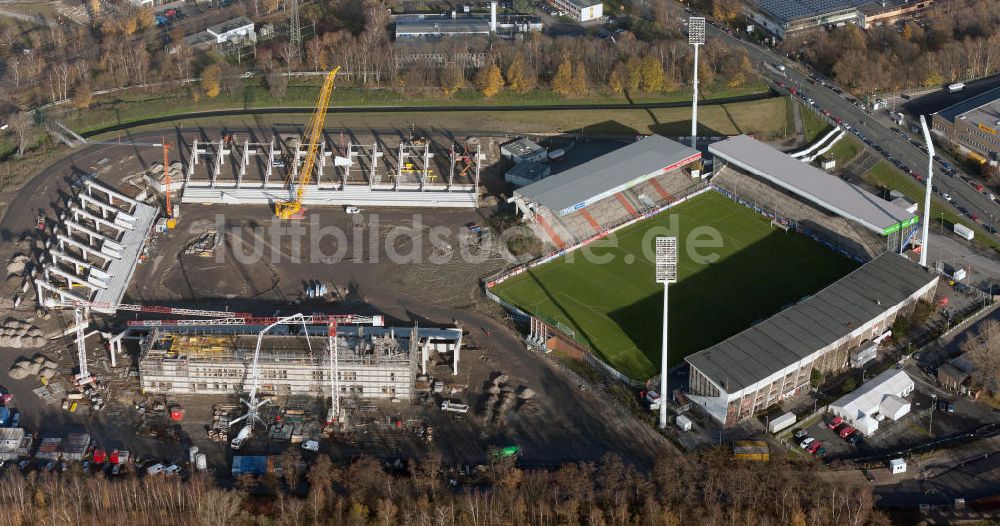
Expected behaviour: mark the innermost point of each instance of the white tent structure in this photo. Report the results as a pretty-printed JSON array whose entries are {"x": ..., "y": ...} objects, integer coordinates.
[{"x": 882, "y": 395}]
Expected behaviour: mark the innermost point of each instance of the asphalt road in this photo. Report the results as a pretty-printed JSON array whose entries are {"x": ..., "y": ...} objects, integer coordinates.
[{"x": 876, "y": 128}]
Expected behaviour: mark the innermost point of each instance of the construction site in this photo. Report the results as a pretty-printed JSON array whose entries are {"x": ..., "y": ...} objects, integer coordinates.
[{"x": 141, "y": 324}]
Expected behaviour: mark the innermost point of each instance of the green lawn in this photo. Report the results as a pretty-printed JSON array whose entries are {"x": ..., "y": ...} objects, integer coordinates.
[
  {"x": 616, "y": 307},
  {"x": 884, "y": 174},
  {"x": 813, "y": 124},
  {"x": 847, "y": 148}
]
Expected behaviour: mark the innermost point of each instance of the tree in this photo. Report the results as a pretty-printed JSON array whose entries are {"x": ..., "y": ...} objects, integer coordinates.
[
  {"x": 489, "y": 81},
  {"x": 82, "y": 96},
  {"x": 520, "y": 77},
  {"x": 146, "y": 17},
  {"x": 581, "y": 86},
  {"x": 983, "y": 350},
  {"x": 618, "y": 79},
  {"x": 21, "y": 123},
  {"x": 652, "y": 75},
  {"x": 211, "y": 81},
  {"x": 451, "y": 79},
  {"x": 634, "y": 68},
  {"x": 523, "y": 6},
  {"x": 562, "y": 82}
]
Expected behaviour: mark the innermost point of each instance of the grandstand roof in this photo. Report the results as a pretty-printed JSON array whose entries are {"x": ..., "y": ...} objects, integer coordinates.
[
  {"x": 813, "y": 184},
  {"x": 813, "y": 324},
  {"x": 442, "y": 26},
  {"x": 608, "y": 174}
]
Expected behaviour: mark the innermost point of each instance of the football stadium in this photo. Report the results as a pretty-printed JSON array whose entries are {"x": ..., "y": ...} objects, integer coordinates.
[
  {"x": 764, "y": 233},
  {"x": 607, "y": 296}
]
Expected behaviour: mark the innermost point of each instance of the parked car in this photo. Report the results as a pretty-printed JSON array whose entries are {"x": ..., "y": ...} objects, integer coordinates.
[
  {"x": 855, "y": 438},
  {"x": 806, "y": 443},
  {"x": 846, "y": 431},
  {"x": 814, "y": 446},
  {"x": 800, "y": 434},
  {"x": 946, "y": 196},
  {"x": 832, "y": 424}
]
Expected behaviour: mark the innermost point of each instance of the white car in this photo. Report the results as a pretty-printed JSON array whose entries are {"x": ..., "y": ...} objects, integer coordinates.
[
  {"x": 310, "y": 445},
  {"x": 990, "y": 196},
  {"x": 352, "y": 210},
  {"x": 946, "y": 197},
  {"x": 805, "y": 443}
]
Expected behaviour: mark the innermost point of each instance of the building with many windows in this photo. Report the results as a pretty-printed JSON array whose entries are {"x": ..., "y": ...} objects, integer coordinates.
[
  {"x": 973, "y": 124},
  {"x": 582, "y": 10}
]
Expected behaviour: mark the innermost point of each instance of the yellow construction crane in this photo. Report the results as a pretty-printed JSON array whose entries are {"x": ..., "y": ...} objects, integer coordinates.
[{"x": 314, "y": 133}]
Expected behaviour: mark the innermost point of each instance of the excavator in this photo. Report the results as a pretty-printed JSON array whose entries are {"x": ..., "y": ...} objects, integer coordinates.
[{"x": 313, "y": 134}]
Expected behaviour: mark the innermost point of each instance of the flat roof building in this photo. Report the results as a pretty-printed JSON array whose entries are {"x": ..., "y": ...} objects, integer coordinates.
[
  {"x": 773, "y": 360},
  {"x": 974, "y": 124},
  {"x": 874, "y": 14},
  {"x": 235, "y": 29},
  {"x": 527, "y": 172},
  {"x": 880, "y": 397},
  {"x": 787, "y": 16},
  {"x": 582, "y": 10},
  {"x": 523, "y": 149}
]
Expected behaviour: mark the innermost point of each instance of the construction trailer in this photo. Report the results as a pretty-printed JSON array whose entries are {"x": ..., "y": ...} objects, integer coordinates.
[{"x": 371, "y": 362}]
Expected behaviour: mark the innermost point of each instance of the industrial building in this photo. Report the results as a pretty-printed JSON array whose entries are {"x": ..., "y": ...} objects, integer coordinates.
[
  {"x": 882, "y": 12},
  {"x": 877, "y": 399},
  {"x": 773, "y": 360},
  {"x": 234, "y": 30},
  {"x": 445, "y": 25},
  {"x": 973, "y": 125},
  {"x": 523, "y": 149},
  {"x": 12, "y": 442},
  {"x": 527, "y": 172},
  {"x": 371, "y": 362},
  {"x": 582, "y": 10},
  {"x": 782, "y": 17}
]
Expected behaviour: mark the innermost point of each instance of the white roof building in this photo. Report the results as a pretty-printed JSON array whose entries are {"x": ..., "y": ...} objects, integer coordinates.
[
  {"x": 882, "y": 395},
  {"x": 235, "y": 29}
]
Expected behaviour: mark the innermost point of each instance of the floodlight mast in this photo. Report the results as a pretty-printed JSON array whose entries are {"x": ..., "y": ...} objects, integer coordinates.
[
  {"x": 925, "y": 228},
  {"x": 666, "y": 273},
  {"x": 696, "y": 37}
]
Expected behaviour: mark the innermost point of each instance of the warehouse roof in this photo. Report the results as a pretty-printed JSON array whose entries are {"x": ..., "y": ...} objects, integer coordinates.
[
  {"x": 813, "y": 184},
  {"x": 790, "y": 10},
  {"x": 608, "y": 174},
  {"x": 813, "y": 324},
  {"x": 441, "y": 26},
  {"x": 984, "y": 108}
]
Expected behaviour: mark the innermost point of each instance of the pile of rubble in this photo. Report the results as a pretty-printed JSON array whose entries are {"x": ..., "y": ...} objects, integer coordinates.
[
  {"x": 205, "y": 244},
  {"x": 39, "y": 366},
  {"x": 17, "y": 264},
  {"x": 176, "y": 170},
  {"x": 219, "y": 432},
  {"x": 20, "y": 335}
]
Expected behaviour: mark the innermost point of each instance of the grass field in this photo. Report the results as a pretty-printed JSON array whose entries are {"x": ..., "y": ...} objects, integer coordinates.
[{"x": 616, "y": 307}]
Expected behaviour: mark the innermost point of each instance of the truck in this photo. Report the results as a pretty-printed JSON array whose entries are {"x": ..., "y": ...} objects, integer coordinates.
[
  {"x": 956, "y": 87},
  {"x": 964, "y": 231},
  {"x": 781, "y": 422}
]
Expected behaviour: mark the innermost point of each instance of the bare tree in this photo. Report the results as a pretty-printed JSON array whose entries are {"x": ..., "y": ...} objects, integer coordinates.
[{"x": 21, "y": 123}]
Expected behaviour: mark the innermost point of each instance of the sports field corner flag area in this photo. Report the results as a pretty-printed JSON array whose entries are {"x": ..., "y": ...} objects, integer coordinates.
[{"x": 612, "y": 303}]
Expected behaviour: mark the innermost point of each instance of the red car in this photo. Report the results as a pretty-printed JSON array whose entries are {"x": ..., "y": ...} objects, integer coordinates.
[
  {"x": 832, "y": 424},
  {"x": 846, "y": 431},
  {"x": 814, "y": 447}
]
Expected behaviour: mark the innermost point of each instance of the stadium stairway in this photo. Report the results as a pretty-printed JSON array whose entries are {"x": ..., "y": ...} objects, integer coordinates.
[
  {"x": 626, "y": 203},
  {"x": 553, "y": 238}
]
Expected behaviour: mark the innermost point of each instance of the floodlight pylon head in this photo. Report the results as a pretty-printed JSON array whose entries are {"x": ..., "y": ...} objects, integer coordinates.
[
  {"x": 696, "y": 30},
  {"x": 666, "y": 259}
]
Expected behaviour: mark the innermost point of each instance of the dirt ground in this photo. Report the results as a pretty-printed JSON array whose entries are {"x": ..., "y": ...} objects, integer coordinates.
[{"x": 419, "y": 266}]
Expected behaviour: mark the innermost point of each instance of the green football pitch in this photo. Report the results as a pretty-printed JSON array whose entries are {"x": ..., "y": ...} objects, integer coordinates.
[{"x": 607, "y": 295}]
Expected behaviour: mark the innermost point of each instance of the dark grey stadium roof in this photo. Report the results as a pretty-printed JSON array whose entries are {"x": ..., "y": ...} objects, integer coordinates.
[
  {"x": 814, "y": 323},
  {"x": 828, "y": 191},
  {"x": 953, "y": 112},
  {"x": 790, "y": 10},
  {"x": 607, "y": 174}
]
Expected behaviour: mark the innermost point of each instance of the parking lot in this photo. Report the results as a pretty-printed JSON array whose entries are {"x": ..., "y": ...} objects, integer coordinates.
[{"x": 914, "y": 428}]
